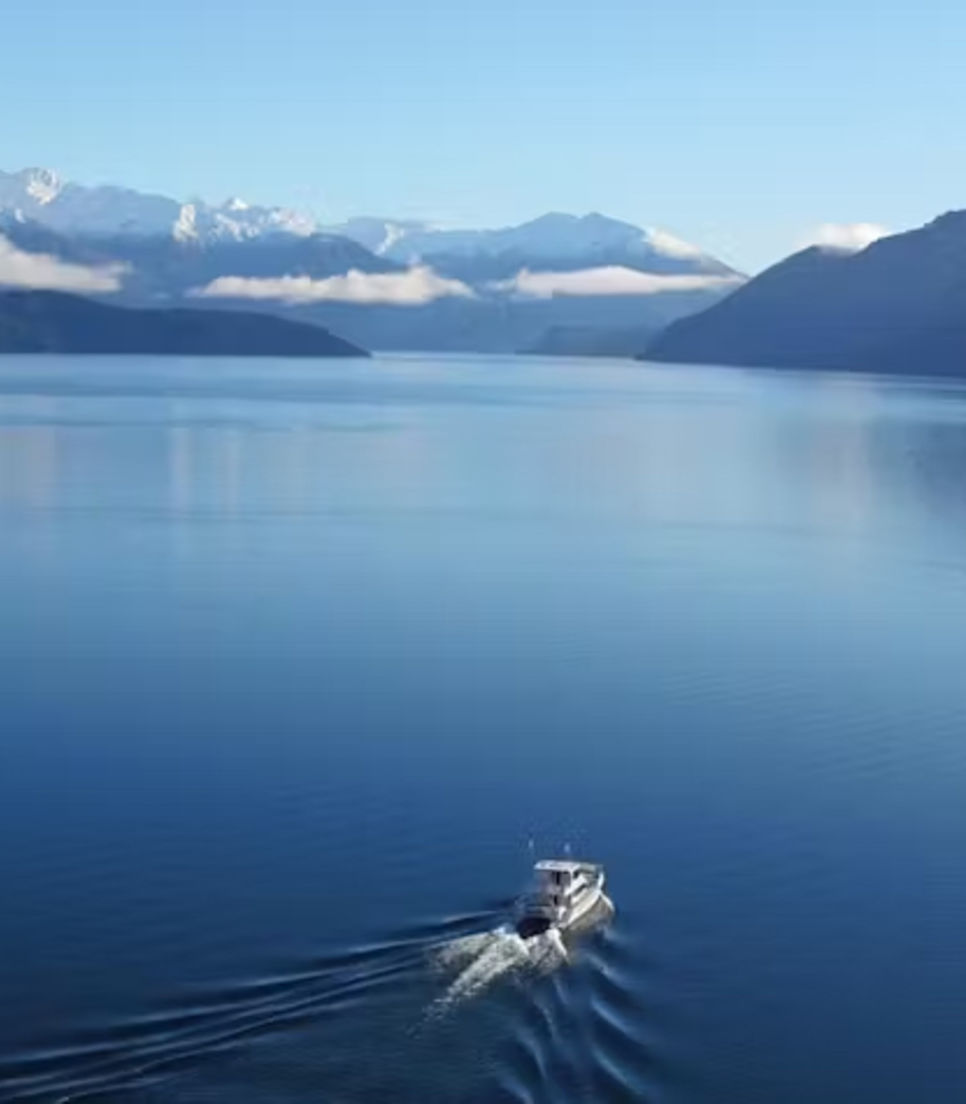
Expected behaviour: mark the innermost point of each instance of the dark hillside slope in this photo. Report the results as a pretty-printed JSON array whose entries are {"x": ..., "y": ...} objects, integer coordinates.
[
  {"x": 897, "y": 306},
  {"x": 54, "y": 322}
]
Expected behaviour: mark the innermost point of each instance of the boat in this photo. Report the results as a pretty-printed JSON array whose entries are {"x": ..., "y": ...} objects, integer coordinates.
[{"x": 565, "y": 895}]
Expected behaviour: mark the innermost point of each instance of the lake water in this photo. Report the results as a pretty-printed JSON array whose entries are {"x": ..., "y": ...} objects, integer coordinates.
[{"x": 299, "y": 662}]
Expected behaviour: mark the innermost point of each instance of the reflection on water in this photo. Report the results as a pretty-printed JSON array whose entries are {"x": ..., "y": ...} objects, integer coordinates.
[
  {"x": 716, "y": 448},
  {"x": 295, "y": 659}
]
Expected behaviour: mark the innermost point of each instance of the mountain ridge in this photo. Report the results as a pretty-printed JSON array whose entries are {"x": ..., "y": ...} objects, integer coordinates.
[
  {"x": 58, "y": 322},
  {"x": 877, "y": 309},
  {"x": 107, "y": 210},
  {"x": 385, "y": 283}
]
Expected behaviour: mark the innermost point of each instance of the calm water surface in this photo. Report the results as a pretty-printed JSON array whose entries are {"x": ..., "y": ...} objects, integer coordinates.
[{"x": 296, "y": 659}]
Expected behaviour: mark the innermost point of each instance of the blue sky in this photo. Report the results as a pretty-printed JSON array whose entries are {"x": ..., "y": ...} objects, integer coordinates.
[{"x": 738, "y": 125}]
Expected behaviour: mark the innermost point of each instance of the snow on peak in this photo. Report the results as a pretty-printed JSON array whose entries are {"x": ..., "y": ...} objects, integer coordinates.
[
  {"x": 553, "y": 242},
  {"x": 184, "y": 226},
  {"x": 239, "y": 221},
  {"x": 551, "y": 236},
  {"x": 670, "y": 246},
  {"x": 378, "y": 235},
  {"x": 108, "y": 211},
  {"x": 41, "y": 185}
]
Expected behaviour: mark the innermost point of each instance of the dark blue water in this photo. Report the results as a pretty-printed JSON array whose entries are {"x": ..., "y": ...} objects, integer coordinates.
[{"x": 295, "y": 659}]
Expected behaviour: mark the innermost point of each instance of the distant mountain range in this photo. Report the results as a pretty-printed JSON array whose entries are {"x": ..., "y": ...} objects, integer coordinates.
[
  {"x": 554, "y": 242},
  {"x": 561, "y": 284},
  {"x": 40, "y": 195},
  {"x": 381, "y": 283},
  {"x": 899, "y": 305},
  {"x": 55, "y": 322}
]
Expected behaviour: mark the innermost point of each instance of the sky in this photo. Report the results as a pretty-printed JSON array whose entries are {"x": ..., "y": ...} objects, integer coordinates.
[{"x": 741, "y": 126}]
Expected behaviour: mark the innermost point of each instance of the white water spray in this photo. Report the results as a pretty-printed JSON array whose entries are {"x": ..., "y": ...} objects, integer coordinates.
[{"x": 479, "y": 960}]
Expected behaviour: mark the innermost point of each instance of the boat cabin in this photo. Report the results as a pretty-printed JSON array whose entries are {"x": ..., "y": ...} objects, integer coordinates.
[
  {"x": 563, "y": 890},
  {"x": 560, "y": 881}
]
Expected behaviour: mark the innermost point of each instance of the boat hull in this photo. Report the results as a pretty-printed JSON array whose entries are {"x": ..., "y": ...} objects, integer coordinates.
[{"x": 598, "y": 913}]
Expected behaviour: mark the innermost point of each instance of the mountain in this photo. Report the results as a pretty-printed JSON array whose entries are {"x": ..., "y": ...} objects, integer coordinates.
[
  {"x": 553, "y": 242},
  {"x": 378, "y": 235},
  {"x": 586, "y": 285},
  {"x": 169, "y": 268},
  {"x": 54, "y": 322},
  {"x": 899, "y": 305},
  {"x": 382, "y": 283},
  {"x": 105, "y": 211}
]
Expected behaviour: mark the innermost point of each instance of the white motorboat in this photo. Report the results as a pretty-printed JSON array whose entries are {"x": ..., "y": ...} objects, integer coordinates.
[{"x": 565, "y": 895}]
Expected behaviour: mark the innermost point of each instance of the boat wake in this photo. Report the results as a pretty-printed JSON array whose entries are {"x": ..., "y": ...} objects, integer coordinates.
[
  {"x": 474, "y": 962},
  {"x": 407, "y": 982}
]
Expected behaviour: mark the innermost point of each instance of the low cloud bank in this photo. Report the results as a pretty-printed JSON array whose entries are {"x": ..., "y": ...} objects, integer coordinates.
[
  {"x": 607, "y": 280},
  {"x": 421, "y": 285},
  {"x": 851, "y": 237},
  {"x": 42, "y": 271},
  {"x": 412, "y": 288}
]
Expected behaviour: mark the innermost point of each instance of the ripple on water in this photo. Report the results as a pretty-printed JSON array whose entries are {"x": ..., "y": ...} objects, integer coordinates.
[
  {"x": 141, "y": 1049},
  {"x": 558, "y": 1022}
]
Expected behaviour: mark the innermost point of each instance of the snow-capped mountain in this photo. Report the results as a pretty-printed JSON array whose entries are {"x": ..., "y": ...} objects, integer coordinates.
[
  {"x": 555, "y": 241},
  {"x": 382, "y": 283},
  {"x": 379, "y": 235},
  {"x": 103, "y": 211}
]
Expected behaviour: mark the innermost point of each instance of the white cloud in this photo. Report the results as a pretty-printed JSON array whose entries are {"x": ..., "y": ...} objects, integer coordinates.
[
  {"x": 411, "y": 288},
  {"x": 43, "y": 271},
  {"x": 606, "y": 280},
  {"x": 848, "y": 236}
]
